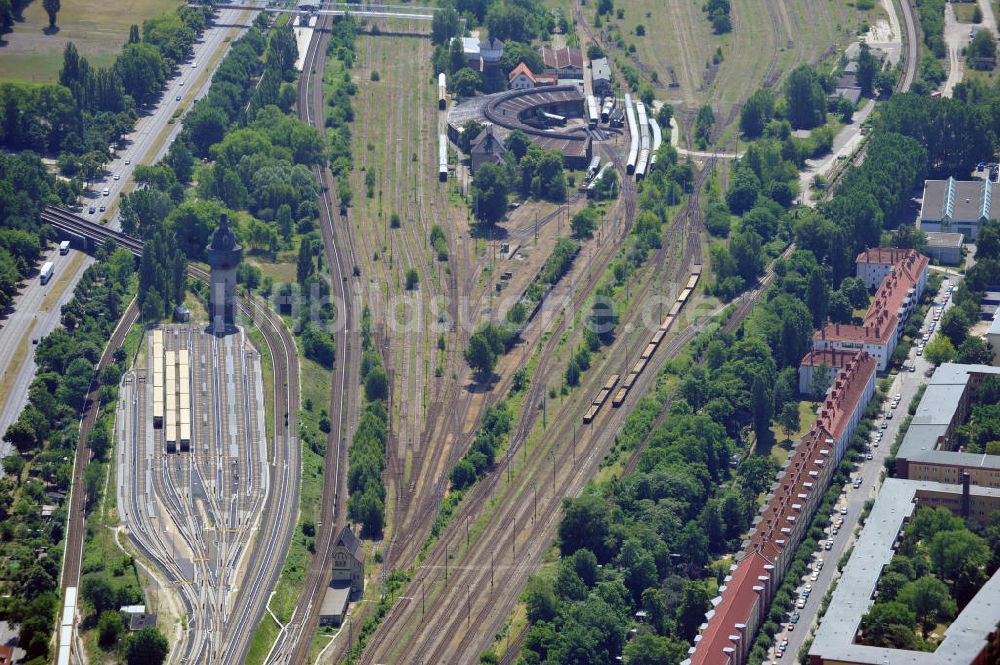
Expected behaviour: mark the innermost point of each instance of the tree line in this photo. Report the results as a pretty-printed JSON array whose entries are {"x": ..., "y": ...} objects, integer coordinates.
[
  {"x": 366, "y": 456},
  {"x": 45, "y": 437},
  {"x": 92, "y": 107}
]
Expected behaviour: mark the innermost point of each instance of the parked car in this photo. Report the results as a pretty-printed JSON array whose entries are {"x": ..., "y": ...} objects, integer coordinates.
[
  {"x": 103, "y": 207},
  {"x": 829, "y": 545},
  {"x": 801, "y": 603},
  {"x": 105, "y": 191},
  {"x": 795, "y": 617},
  {"x": 91, "y": 210}
]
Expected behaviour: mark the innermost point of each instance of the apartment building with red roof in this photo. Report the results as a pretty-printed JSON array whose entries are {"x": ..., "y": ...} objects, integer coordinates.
[
  {"x": 743, "y": 601},
  {"x": 903, "y": 275}
]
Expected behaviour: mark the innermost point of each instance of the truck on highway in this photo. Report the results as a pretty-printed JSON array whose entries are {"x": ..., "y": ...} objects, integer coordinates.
[
  {"x": 64, "y": 247},
  {"x": 46, "y": 274}
]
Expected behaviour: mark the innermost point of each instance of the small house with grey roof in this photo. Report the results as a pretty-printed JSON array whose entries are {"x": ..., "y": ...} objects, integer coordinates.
[{"x": 958, "y": 206}]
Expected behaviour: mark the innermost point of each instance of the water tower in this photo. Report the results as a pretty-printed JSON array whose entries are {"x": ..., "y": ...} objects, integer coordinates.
[{"x": 224, "y": 254}]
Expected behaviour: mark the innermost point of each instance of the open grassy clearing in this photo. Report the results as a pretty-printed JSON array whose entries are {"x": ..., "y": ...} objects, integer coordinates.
[
  {"x": 679, "y": 45},
  {"x": 97, "y": 28},
  {"x": 964, "y": 11}
]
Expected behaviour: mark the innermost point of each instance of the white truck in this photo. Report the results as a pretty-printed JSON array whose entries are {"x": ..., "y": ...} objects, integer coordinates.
[
  {"x": 64, "y": 247},
  {"x": 46, "y": 274}
]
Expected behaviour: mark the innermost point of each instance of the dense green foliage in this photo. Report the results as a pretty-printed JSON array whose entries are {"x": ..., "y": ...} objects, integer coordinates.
[
  {"x": 45, "y": 436},
  {"x": 718, "y": 12},
  {"x": 90, "y": 108},
  {"x": 940, "y": 565},
  {"x": 367, "y": 453},
  {"x": 25, "y": 188}
]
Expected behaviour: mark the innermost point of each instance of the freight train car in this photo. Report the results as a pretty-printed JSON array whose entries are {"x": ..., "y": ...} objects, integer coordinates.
[
  {"x": 442, "y": 91},
  {"x": 443, "y": 157},
  {"x": 654, "y": 129},
  {"x": 607, "y": 108},
  {"x": 633, "y": 135},
  {"x": 593, "y": 114},
  {"x": 642, "y": 162}
]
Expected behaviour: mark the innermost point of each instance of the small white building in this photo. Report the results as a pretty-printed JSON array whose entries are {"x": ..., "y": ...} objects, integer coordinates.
[{"x": 521, "y": 78}]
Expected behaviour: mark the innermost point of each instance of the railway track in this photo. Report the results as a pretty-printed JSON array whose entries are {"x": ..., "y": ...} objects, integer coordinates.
[
  {"x": 295, "y": 639},
  {"x": 75, "y": 529}
]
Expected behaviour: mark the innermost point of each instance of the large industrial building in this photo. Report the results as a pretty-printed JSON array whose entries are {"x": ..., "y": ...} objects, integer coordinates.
[
  {"x": 957, "y": 206},
  {"x": 928, "y": 451}
]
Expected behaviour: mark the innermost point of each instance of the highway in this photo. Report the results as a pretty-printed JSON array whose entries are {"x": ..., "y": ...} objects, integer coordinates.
[
  {"x": 36, "y": 309},
  {"x": 904, "y": 384}
]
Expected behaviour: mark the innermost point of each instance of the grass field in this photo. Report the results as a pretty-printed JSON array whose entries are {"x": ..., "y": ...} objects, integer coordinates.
[
  {"x": 97, "y": 28},
  {"x": 679, "y": 45},
  {"x": 964, "y": 11}
]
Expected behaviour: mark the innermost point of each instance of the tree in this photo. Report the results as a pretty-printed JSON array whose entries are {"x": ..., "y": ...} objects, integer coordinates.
[
  {"x": 376, "y": 385},
  {"x": 584, "y": 222},
  {"x": 743, "y": 190},
  {"x": 650, "y": 649},
  {"x": 974, "y": 351},
  {"x": 881, "y": 619},
  {"x": 867, "y": 68},
  {"x": 99, "y": 593},
  {"x": 147, "y": 647},
  {"x": 955, "y": 325},
  {"x": 489, "y": 193},
  {"x": 756, "y": 113},
  {"x": 939, "y": 350},
  {"x": 789, "y": 418},
  {"x": 445, "y": 26},
  {"x": 465, "y": 82},
  {"x": 703, "y": 125},
  {"x": 109, "y": 627},
  {"x": 51, "y": 8},
  {"x": 762, "y": 407},
  {"x": 951, "y": 550},
  {"x": 480, "y": 355},
  {"x": 817, "y": 297},
  {"x": 930, "y": 601},
  {"x": 805, "y": 97},
  {"x": 756, "y": 474},
  {"x": 820, "y": 381},
  {"x": 586, "y": 523},
  {"x": 983, "y": 45},
  {"x": 540, "y": 601},
  {"x": 412, "y": 279},
  {"x": 691, "y": 609}
]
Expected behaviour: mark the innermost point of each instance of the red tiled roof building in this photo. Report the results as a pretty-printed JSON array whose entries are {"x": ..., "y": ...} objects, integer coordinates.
[{"x": 745, "y": 598}]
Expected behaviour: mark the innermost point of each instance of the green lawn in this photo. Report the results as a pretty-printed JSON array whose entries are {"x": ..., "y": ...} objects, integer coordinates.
[
  {"x": 99, "y": 29},
  {"x": 964, "y": 11}
]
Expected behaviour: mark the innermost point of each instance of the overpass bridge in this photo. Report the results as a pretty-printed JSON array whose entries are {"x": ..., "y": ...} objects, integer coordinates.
[{"x": 90, "y": 234}]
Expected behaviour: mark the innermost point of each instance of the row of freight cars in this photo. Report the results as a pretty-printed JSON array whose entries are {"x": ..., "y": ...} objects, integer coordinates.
[
  {"x": 172, "y": 395},
  {"x": 640, "y": 365}
]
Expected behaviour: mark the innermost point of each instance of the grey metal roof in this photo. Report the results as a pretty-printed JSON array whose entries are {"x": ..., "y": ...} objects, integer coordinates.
[
  {"x": 958, "y": 200},
  {"x": 600, "y": 69},
  {"x": 935, "y": 239},
  {"x": 964, "y": 638},
  {"x": 351, "y": 542},
  {"x": 934, "y": 416}
]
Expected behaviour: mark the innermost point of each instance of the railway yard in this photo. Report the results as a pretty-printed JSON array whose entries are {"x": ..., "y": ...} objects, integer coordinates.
[
  {"x": 194, "y": 475},
  {"x": 208, "y": 467}
]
